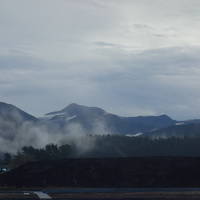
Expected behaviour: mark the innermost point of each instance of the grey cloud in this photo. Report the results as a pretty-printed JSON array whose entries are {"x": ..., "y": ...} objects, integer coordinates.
[
  {"x": 143, "y": 26},
  {"x": 162, "y": 81},
  {"x": 105, "y": 44},
  {"x": 129, "y": 57},
  {"x": 153, "y": 81}
]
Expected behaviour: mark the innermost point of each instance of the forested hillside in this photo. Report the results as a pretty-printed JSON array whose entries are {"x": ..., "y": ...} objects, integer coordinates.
[{"x": 108, "y": 146}]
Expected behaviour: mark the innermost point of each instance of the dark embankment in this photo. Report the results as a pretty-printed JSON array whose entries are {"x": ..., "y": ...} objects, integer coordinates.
[{"x": 116, "y": 172}]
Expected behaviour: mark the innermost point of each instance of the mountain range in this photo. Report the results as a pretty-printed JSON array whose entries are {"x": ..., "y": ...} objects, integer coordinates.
[{"x": 93, "y": 120}]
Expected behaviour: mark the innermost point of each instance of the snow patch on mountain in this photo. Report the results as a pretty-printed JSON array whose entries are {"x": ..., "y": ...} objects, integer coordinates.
[
  {"x": 180, "y": 123},
  {"x": 134, "y": 135},
  {"x": 70, "y": 118}
]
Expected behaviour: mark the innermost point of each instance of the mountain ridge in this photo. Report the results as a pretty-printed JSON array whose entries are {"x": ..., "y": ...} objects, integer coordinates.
[
  {"x": 8, "y": 109},
  {"x": 12, "y": 119},
  {"x": 91, "y": 117}
]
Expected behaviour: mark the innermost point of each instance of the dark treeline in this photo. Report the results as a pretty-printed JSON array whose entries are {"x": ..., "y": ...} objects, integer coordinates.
[
  {"x": 108, "y": 146},
  {"x": 120, "y": 146},
  {"x": 29, "y": 153}
]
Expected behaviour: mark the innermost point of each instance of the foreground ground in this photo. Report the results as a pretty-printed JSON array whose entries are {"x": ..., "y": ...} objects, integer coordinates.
[
  {"x": 135, "y": 172},
  {"x": 106, "y": 194}
]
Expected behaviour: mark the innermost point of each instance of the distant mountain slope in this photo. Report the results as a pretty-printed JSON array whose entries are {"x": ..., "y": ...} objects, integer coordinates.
[
  {"x": 92, "y": 118},
  {"x": 11, "y": 119},
  {"x": 11, "y": 112},
  {"x": 183, "y": 129}
]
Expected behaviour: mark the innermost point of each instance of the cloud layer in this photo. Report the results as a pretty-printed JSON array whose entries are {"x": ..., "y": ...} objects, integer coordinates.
[{"x": 127, "y": 56}]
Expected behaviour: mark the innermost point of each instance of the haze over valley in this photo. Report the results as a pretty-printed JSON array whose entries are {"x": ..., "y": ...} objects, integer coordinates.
[{"x": 76, "y": 124}]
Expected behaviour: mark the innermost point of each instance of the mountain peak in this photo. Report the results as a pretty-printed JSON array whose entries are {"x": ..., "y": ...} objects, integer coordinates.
[
  {"x": 73, "y": 105},
  {"x": 165, "y": 116},
  {"x": 76, "y": 109}
]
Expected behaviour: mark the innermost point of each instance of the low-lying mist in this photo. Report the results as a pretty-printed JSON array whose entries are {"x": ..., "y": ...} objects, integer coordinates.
[{"x": 14, "y": 136}]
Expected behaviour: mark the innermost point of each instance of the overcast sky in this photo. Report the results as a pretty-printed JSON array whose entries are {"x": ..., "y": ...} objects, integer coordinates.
[{"x": 130, "y": 57}]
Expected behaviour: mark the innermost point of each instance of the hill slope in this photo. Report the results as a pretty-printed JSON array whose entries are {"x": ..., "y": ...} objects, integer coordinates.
[
  {"x": 11, "y": 119},
  {"x": 188, "y": 129},
  {"x": 91, "y": 118}
]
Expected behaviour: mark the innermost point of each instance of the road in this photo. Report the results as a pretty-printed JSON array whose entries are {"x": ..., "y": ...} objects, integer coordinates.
[{"x": 104, "y": 194}]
